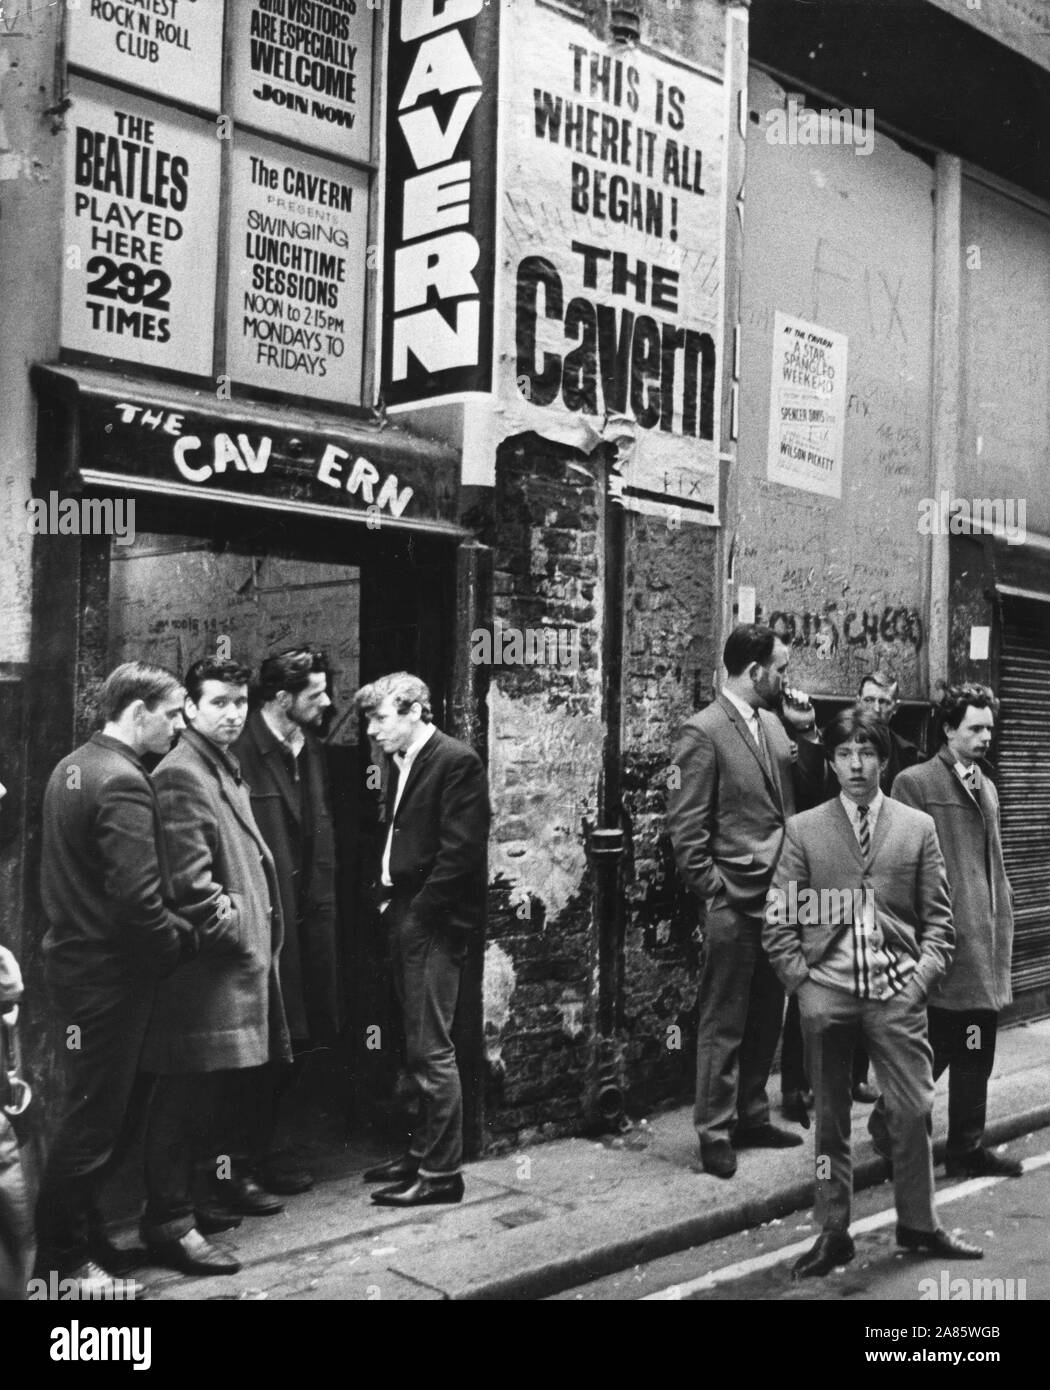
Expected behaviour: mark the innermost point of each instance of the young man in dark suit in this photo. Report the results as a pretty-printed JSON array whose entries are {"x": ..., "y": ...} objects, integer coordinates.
[
  {"x": 114, "y": 932},
  {"x": 283, "y": 762},
  {"x": 725, "y": 813},
  {"x": 859, "y": 925},
  {"x": 432, "y": 886}
]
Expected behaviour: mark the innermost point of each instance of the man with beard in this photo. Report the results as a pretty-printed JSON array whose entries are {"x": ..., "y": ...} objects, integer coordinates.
[
  {"x": 282, "y": 761},
  {"x": 726, "y": 810}
]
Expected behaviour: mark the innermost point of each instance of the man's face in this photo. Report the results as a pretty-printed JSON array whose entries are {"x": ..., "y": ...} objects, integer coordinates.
[
  {"x": 308, "y": 706},
  {"x": 858, "y": 769},
  {"x": 392, "y": 731},
  {"x": 768, "y": 681},
  {"x": 158, "y": 726},
  {"x": 220, "y": 712},
  {"x": 972, "y": 738},
  {"x": 881, "y": 702}
]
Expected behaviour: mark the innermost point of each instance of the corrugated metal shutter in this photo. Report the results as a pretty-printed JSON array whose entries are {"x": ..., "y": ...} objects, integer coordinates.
[{"x": 1024, "y": 783}]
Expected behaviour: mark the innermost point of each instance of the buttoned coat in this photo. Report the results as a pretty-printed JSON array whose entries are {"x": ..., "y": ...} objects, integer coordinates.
[
  {"x": 726, "y": 809},
  {"x": 906, "y": 875},
  {"x": 968, "y": 830},
  {"x": 223, "y": 1010},
  {"x": 296, "y": 823}
]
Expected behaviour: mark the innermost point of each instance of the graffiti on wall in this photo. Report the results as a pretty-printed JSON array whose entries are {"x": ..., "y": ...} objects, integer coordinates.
[{"x": 834, "y": 628}]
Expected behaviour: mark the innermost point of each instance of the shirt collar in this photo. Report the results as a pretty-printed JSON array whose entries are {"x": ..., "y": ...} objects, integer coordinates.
[
  {"x": 293, "y": 742},
  {"x": 963, "y": 772},
  {"x": 405, "y": 760},
  {"x": 746, "y": 711},
  {"x": 874, "y": 806}
]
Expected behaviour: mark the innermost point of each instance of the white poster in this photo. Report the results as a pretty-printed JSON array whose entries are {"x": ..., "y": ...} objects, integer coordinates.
[
  {"x": 303, "y": 69},
  {"x": 807, "y": 406},
  {"x": 141, "y": 225},
  {"x": 173, "y": 48},
  {"x": 298, "y": 233},
  {"x": 612, "y": 240}
]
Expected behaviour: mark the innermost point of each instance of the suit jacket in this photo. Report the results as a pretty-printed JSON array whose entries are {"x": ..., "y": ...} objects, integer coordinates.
[
  {"x": 903, "y": 754},
  {"x": 726, "y": 816},
  {"x": 968, "y": 829},
  {"x": 296, "y": 823},
  {"x": 439, "y": 850},
  {"x": 104, "y": 876},
  {"x": 223, "y": 1010},
  {"x": 906, "y": 874}
]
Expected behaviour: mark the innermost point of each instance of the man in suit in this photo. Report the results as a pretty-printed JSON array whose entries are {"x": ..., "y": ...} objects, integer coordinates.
[
  {"x": 223, "y": 1012},
  {"x": 880, "y": 694},
  {"x": 725, "y": 813},
  {"x": 114, "y": 931},
  {"x": 859, "y": 925},
  {"x": 964, "y": 1007},
  {"x": 282, "y": 761},
  {"x": 432, "y": 887}
]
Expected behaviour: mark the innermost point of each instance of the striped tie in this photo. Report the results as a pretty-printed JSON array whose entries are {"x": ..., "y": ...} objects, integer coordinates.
[{"x": 865, "y": 833}]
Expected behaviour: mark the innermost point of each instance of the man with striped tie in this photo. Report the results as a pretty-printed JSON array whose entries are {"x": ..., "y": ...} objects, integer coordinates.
[{"x": 859, "y": 924}]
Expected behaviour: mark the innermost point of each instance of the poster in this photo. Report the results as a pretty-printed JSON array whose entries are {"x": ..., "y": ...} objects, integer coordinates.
[
  {"x": 303, "y": 69},
  {"x": 142, "y": 207},
  {"x": 807, "y": 406},
  {"x": 298, "y": 233},
  {"x": 611, "y": 274},
  {"x": 440, "y": 221},
  {"x": 173, "y": 48}
]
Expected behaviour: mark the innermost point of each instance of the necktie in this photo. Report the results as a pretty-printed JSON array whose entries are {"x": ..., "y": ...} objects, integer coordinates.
[
  {"x": 971, "y": 779},
  {"x": 864, "y": 836}
]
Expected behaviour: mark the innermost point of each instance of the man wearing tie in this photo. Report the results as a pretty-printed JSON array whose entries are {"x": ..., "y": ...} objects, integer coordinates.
[
  {"x": 859, "y": 925},
  {"x": 964, "y": 1007},
  {"x": 725, "y": 815},
  {"x": 432, "y": 888}
]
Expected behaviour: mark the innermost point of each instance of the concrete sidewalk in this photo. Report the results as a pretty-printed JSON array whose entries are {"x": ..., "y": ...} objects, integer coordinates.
[{"x": 549, "y": 1217}]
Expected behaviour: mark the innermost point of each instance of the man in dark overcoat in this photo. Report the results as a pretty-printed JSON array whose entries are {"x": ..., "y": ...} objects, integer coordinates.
[
  {"x": 113, "y": 934},
  {"x": 223, "y": 1013},
  {"x": 282, "y": 761}
]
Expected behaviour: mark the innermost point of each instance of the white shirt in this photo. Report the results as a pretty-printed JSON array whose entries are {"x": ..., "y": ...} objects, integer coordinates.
[
  {"x": 874, "y": 807},
  {"x": 963, "y": 774},
  {"x": 404, "y": 762},
  {"x": 747, "y": 713}
]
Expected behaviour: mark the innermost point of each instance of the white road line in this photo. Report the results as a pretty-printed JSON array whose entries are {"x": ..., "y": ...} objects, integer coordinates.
[{"x": 742, "y": 1268}]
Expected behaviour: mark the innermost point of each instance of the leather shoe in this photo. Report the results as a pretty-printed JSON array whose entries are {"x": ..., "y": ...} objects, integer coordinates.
[
  {"x": 938, "y": 1242},
  {"x": 793, "y": 1107},
  {"x": 116, "y": 1261},
  {"x": 212, "y": 1218},
  {"x": 401, "y": 1169},
  {"x": 192, "y": 1254},
  {"x": 288, "y": 1180},
  {"x": 832, "y": 1248},
  {"x": 766, "y": 1136},
  {"x": 865, "y": 1094},
  {"x": 718, "y": 1159},
  {"x": 243, "y": 1194},
  {"x": 982, "y": 1163},
  {"x": 421, "y": 1192}
]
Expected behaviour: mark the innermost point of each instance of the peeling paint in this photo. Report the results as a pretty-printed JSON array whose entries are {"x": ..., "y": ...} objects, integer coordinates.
[{"x": 498, "y": 984}]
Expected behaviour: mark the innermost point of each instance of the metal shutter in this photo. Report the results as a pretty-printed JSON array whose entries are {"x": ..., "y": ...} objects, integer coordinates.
[{"x": 1024, "y": 783}]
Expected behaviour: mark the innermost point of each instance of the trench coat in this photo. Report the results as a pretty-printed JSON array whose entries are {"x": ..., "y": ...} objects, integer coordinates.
[
  {"x": 222, "y": 1011},
  {"x": 968, "y": 829}
]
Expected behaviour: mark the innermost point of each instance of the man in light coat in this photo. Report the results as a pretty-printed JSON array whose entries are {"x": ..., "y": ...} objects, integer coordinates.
[
  {"x": 223, "y": 1012},
  {"x": 964, "y": 1007}
]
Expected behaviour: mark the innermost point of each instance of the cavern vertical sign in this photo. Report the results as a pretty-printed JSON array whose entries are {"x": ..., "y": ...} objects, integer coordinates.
[{"x": 440, "y": 223}]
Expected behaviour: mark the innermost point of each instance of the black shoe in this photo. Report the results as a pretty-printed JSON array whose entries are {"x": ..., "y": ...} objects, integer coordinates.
[
  {"x": 91, "y": 1279},
  {"x": 793, "y": 1107},
  {"x": 865, "y": 1094},
  {"x": 766, "y": 1136},
  {"x": 113, "y": 1259},
  {"x": 243, "y": 1194},
  {"x": 421, "y": 1192},
  {"x": 212, "y": 1219},
  {"x": 287, "y": 1180},
  {"x": 192, "y": 1254},
  {"x": 400, "y": 1169},
  {"x": 718, "y": 1159},
  {"x": 982, "y": 1163},
  {"x": 938, "y": 1242},
  {"x": 833, "y": 1248}
]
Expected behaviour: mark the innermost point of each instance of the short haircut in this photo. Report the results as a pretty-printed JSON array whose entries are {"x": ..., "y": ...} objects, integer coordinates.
[
  {"x": 134, "y": 680},
  {"x": 859, "y": 724},
  {"x": 883, "y": 679},
  {"x": 288, "y": 670},
  {"x": 958, "y": 698},
  {"x": 211, "y": 668},
  {"x": 748, "y": 642},
  {"x": 406, "y": 690}
]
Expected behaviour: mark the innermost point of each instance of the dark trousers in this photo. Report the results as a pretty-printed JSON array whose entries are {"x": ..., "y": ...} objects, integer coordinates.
[
  {"x": 214, "y": 1113},
  {"x": 833, "y": 1021},
  {"x": 427, "y": 966},
  {"x": 105, "y": 1097},
  {"x": 792, "y": 1063},
  {"x": 741, "y": 1002}
]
